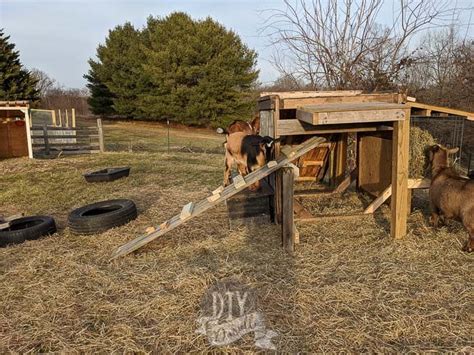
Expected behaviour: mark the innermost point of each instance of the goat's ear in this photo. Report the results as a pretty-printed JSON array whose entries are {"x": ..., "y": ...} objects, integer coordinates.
[
  {"x": 435, "y": 148},
  {"x": 453, "y": 150}
]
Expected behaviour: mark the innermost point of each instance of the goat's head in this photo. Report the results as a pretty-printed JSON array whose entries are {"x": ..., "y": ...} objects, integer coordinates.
[{"x": 439, "y": 156}]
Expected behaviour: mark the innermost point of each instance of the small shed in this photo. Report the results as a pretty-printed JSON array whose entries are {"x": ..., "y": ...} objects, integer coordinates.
[{"x": 15, "y": 123}]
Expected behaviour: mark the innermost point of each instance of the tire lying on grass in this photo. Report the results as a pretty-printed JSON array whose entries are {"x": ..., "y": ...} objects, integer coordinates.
[
  {"x": 101, "y": 216},
  {"x": 27, "y": 228}
]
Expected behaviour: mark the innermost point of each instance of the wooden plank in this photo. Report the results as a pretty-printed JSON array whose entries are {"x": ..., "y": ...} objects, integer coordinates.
[
  {"x": 238, "y": 181},
  {"x": 349, "y": 107},
  {"x": 440, "y": 109},
  {"x": 297, "y": 127},
  {"x": 374, "y": 164},
  {"x": 187, "y": 211},
  {"x": 288, "y": 232},
  {"x": 204, "y": 204},
  {"x": 379, "y": 200},
  {"x": 344, "y": 185},
  {"x": 419, "y": 183},
  {"x": 321, "y": 117},
  {"x": 400, "y": 156},
  {"x": 64, "y": 145},
  {"x": 77, "y": 129},
  {"x": 341, "y": 157},
  {"x": 319, "y": 218},
  {"x": 293, "y": 103},
  {"x": 307, "y": 163},
  {"x": 306, "y": 94}
]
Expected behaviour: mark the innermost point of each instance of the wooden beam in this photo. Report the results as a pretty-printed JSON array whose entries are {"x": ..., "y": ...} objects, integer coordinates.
[
  {"x": 344, "y": 185},
  {"x": 350, "y": 113},
  {"x": 400, "y": 157},
  {"x": 28, "y": 125},
  {"x": 433, "y": 108},
  {"x": 296, "y": 127},
  {"x": 293, "y": 103},
  {"x": 318, "y": 218},
  {"x": 73, "y": 113},
  {"x": 306, "y": 94},
  {"x": 288, "y": 232}
]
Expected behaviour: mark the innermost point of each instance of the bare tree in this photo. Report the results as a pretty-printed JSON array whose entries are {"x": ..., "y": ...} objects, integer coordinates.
[
  {"x": 44, "y": 82},
  {"x": 339, "y": 44}
]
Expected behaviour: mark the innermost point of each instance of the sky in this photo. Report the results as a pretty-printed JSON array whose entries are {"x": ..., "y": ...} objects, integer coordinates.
[{"x": 59, "y": 36}]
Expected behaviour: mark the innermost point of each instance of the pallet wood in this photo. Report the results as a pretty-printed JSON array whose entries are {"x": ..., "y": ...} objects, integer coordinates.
[
  {"x": 204, "y": 204},
  {"x": 351, "y": 113}
]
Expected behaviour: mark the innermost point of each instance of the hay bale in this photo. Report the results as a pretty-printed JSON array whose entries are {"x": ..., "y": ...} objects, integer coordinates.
[{"x": 420, "y": 141}]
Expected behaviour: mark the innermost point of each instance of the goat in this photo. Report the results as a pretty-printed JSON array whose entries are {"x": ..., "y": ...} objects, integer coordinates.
[
  {"x": 249, "y": 152},
  {"x": 451, "y": 195}
]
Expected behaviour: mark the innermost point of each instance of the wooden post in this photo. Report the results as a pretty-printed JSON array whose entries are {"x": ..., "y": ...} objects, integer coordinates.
[
  {"x": 400, "y": 155},
  {"x": 101, "y": 135},
  {"x": 28, "y": 124},
  {"x": 67, "y": 119},
  {"x": 53, "y": 117},
  {"x": 73, "y": 113},
  {"x": 287, "y": 224},
  {"x": 341, "y": 158},
  {"x": 46, "y": 140},
  {"x": 60, "y": 118}
]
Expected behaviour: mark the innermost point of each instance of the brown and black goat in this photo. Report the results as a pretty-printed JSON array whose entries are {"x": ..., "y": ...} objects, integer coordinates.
[
  {"x": 451, "y": 195},
  {"x": 249, "y": 152}
]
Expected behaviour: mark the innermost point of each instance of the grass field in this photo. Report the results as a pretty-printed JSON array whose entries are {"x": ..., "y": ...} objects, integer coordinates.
[{"x": 349, "y": 287}]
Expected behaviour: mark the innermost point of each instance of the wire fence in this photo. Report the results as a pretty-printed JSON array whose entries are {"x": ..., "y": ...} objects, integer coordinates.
[{"x": 450, "y": 131}]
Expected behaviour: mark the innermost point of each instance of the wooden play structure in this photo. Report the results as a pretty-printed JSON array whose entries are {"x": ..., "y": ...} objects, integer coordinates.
[
  {"x": 21, "y": 135},
  {"x": 314, "y": 130}
]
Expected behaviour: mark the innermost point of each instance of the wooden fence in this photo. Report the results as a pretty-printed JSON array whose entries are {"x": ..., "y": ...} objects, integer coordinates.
[{"x": 48, "y": 140}]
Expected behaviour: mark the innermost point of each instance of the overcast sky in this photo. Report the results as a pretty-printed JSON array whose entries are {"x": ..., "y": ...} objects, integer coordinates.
[{"x": 58, "y": 36}]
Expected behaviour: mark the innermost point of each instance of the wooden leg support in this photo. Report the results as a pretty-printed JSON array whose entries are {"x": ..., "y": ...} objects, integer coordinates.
[
  {"x": 401, "y": 138},
  {"x": 288, "y": 231}
]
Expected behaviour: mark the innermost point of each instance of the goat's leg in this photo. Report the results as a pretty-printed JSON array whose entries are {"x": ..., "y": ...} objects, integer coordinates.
[
  {"x": 469, "y": 246},
  {"x": 434, "y": 215},
  {"x": 228, "y": 168}
]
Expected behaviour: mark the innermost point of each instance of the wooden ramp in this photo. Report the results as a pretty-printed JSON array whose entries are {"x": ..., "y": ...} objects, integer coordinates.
[{"x": 219, "y": 195}]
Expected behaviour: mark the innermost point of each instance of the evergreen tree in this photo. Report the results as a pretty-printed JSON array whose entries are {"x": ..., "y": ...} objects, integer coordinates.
[
  {"x": 116, "y": 76},
  {"x": 100, "y": 99},
  {"x": 200, "y": 72},
  {"x": 192, "y": 72},
  {"x": 16, "y": 83}
]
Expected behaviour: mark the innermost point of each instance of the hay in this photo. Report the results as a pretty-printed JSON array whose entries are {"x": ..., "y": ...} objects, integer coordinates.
[
  {"x": 349, "y": 288},
  {"x": 420, "y": 141}
]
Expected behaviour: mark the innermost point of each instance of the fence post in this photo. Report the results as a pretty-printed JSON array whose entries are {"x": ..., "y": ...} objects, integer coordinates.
[
  {"x": 101, "y": 135},
  {"x": 46, "y": 140},
  {"x": 60, "y": 118},
  {"x": 73, "y": 113},
  {"x": 67, "y": 119},
  {"x": 53, "y": 116}
]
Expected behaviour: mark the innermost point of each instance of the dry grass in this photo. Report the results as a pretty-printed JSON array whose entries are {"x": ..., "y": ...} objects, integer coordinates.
[
  {"x": 348, "y": 288},
  {"x": 420, "y": 141}
]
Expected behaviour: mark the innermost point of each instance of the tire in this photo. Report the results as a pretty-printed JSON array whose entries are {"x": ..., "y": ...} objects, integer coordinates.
[
  {"x": 101, "y": 216},
  {"x": 27, "y": 228}
]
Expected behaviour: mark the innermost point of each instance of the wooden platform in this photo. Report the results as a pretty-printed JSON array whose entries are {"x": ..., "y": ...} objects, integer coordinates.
[{"x": 341, "y": 113}]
